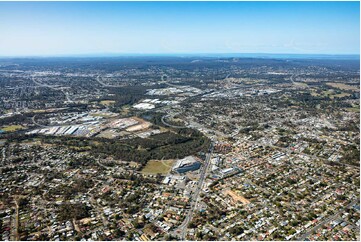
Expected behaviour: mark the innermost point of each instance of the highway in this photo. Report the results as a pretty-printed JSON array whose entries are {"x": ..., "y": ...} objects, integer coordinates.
[
  {"x": 182, "y": 229},
  {"x": 100, "y": 82},
  {"x": 293, "y": 82},
  {"x": 36, "y": 123},
  {"x": 104, "y": 84},
  {"x": 4, "y": 156},
  {"x": 15, "y": 221},
  {"x": 170, "y": 125},
  {"x": 46, "y": 126}
]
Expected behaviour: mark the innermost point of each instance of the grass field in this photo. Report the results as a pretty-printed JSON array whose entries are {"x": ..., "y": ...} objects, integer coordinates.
[
  {"x": 80, "y": 148},
  {"x": 330, "y": 93},
  {"x": 301, "y": 84},
  {"x": 315, "y": 94},
  {"x": 344, "y": 94},
  {"x": 39, "y": 111},
  {"x": 11, "y": 128},
  {"x": 158, "y": 167},
  {"x": 342, "y": 86},
  {"x": 355, "y": 110},
  {"x": 107, "y": 102}
]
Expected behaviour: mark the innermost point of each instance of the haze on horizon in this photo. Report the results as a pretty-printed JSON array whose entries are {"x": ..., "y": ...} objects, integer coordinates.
[{"x": 79, "y": 28}]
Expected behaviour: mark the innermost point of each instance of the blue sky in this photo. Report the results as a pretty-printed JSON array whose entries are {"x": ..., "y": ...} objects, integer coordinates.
[{"x": 71, "y": 28}]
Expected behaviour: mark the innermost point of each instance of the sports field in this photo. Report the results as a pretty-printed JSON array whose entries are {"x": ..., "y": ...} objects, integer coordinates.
[
  {"x": 158, "y": 167},
  {"x": 11, "y": 128}
]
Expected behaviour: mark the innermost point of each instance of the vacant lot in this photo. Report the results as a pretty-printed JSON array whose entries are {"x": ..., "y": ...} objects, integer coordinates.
[
  {"x": 342, "y": 86},
  {"x": 236, "y": 197},
  {"x": 108, "y": 134},
  {"x": 158, "y": 167}
]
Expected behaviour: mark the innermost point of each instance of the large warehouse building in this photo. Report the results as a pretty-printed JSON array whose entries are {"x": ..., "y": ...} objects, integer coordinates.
[{"x": 188, "y": 163}]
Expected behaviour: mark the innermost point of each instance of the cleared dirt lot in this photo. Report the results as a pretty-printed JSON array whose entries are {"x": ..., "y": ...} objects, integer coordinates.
[{"x": 236, "y": 197}]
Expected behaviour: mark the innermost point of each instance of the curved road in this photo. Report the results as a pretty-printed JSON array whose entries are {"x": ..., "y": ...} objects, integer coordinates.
[
  {"x": 40, "y": 125},
  {"x": 104, "y": 84},
  {"x": 170, "y": 125}
]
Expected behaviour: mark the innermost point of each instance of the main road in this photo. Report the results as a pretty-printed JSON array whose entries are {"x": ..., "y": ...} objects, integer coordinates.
[
  {"x": 55, "y": 88},
  {"x": 305, "y": 235},
  {"x": 98, "y": 79},
  {"x": 182, "y": 229}
]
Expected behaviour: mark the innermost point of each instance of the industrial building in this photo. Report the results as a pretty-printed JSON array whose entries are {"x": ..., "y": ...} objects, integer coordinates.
[
  {"x": 188, "y": 163},
  {"x": 229, "y": 172}
]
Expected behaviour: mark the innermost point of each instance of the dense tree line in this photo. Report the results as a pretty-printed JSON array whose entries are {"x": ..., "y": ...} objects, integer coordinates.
[
  {"x": 351, "y": 155},
  {"x": 167, "y": 145},
  {"x": 69, "y": 211},
  {"x": 128, "y": 95},
  {"x": 173, "y": 144},
  {"x": 16, "y": 119}
]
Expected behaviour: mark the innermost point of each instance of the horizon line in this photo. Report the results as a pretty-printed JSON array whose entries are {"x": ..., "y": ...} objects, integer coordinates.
[{"x": 208, "y": 54}]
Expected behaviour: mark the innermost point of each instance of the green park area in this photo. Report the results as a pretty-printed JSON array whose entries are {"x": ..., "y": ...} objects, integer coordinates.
[
  {"x": 11, "y": 128},
  {"x": 107, "y": 102},
  {"x": 158, "y": 167}
]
